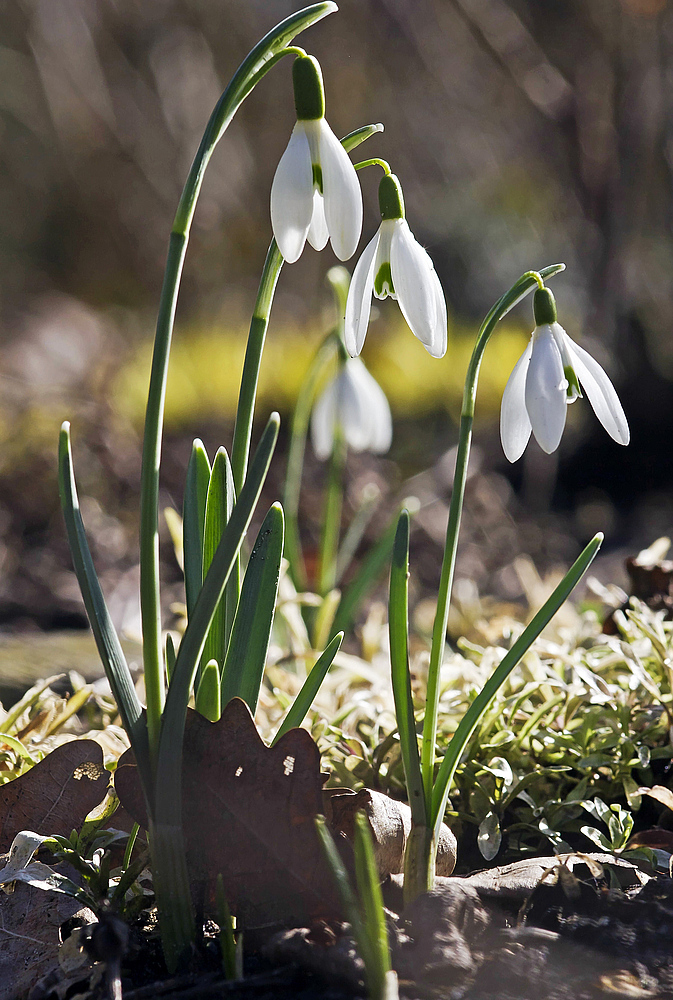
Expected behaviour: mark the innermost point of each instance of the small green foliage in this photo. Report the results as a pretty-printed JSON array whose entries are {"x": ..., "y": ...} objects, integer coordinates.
[{"x": 583, "y": 719}]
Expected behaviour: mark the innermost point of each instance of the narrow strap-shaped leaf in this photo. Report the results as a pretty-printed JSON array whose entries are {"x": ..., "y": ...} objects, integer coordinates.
[
  {"x": 219, "y": 505},
  {"x": 193, "y": 521},
  {"x": 309, "y": 689},
  {"x": 343, "y": 883},
  {"x": 476, "y": 710},
  {"x": 398, "y": 616},
  {"x": 371, "y": 903},
  {"x": 208, "y": 692},
  {"x": 107, "y": 640},
  {"x": 246, "y": 655},
  {"x": 227, "y": 937},
  {"x": 170, "y": 657},
  {"x": 168, "y": 791}
]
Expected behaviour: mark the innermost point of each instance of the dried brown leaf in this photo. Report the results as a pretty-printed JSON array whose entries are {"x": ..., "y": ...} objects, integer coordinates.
[
  {"x": 29, "y": 935},
  {"x": 56, "y": 795},
  {"x": 248, "y": 814}
]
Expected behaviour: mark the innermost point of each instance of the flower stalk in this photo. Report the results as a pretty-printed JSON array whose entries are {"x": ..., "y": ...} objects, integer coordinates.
[
  {"x": 431, "y": 793},
  {"x": 176, "y": 927},
  {"x": 523, "y": 286}
]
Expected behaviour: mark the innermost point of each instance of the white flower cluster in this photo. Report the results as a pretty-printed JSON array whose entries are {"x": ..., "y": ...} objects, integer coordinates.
[{"x": 316, "y": 196}]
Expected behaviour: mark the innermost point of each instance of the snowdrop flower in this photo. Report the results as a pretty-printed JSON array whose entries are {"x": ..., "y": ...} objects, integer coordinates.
[
  {"x": 394, "y": 264},
  {"x": 354, "y": 405},
  {"x": 315, "y": 192},
  {"x": 546, "y": 378}
]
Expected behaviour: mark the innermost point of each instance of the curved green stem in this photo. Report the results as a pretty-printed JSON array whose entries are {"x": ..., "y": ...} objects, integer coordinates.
[
  {"x": 521, "y": 288},
  {"x": 253, "y": 359},
  {"x": 374, "y": 162},
  {"x": 265, "y": 54},
  {"x": 295, "y": 458}
]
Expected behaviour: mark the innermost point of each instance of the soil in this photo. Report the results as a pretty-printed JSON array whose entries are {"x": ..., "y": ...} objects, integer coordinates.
[{"x": 540, "y": 929}]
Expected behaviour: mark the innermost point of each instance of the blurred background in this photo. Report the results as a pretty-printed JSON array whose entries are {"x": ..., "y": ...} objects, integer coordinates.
[{"x": 524, "y": 132}]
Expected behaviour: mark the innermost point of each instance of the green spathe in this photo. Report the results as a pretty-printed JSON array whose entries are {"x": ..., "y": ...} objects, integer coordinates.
[
  {"x": 309, "y": 94},
  {"x": 391, "y": 199},
  {"x": 544, "y": 307}
]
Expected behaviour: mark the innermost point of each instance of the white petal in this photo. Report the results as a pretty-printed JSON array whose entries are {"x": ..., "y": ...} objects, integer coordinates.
[
  {"x": 353, "y": 408},
  {"x": 323, "y": 420},
  {"x": 600, "y": 391},
  {"x": 438, "y": 347},
  {"x": 418, "y": 291},
  {"x": 342, "y": 194},
  {"x": 292, "y": 196},
  {"x": 545, "y": 390},
  {"x": 317, "y": 234},
  {"x": 515, "y": 426},
  {"x": 376, "y": 418},
  {"x": 359, "y": 301}
]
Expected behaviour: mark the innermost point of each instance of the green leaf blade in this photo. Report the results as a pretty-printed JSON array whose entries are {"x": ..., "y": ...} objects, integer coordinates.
[
  {"x": 193, "y": 521},
  {"x": 168, "y": 794},
  {"x": 219, "y": 505},
  {"x": 309, "y": 689},
  {"x": 369, "y": 889},
  {"x": 246, "y": 655},
  {"x": 107, "y": 640},
  {"x": 207, "y": 700},
  {"x": 480, "y": 704},
  {"x": 398, "y": 617}
]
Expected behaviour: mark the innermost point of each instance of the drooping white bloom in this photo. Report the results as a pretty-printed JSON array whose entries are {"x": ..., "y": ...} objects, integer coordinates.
[
  {"x": 394, "y": 264},
  {"x": 315, "y": 192},
  {"x": 546, "y": 378},
  {"x": 354, "y": 404}
]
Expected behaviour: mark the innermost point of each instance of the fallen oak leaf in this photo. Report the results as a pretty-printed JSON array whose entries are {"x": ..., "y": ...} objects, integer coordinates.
[
  {"x": 390, "y": 824},
  {"x": 248, "y": 814},
  {"x": 30, "y": 922},
  {"x": 56, "y": 795}
]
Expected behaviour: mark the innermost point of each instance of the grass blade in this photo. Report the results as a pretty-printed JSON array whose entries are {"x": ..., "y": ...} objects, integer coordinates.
[
  {"x": 246, "y": 655},
  {"x": 309, "y": 689},
  {"x": 348, "y": 898},
  {"x": 369, "y": 889}
]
